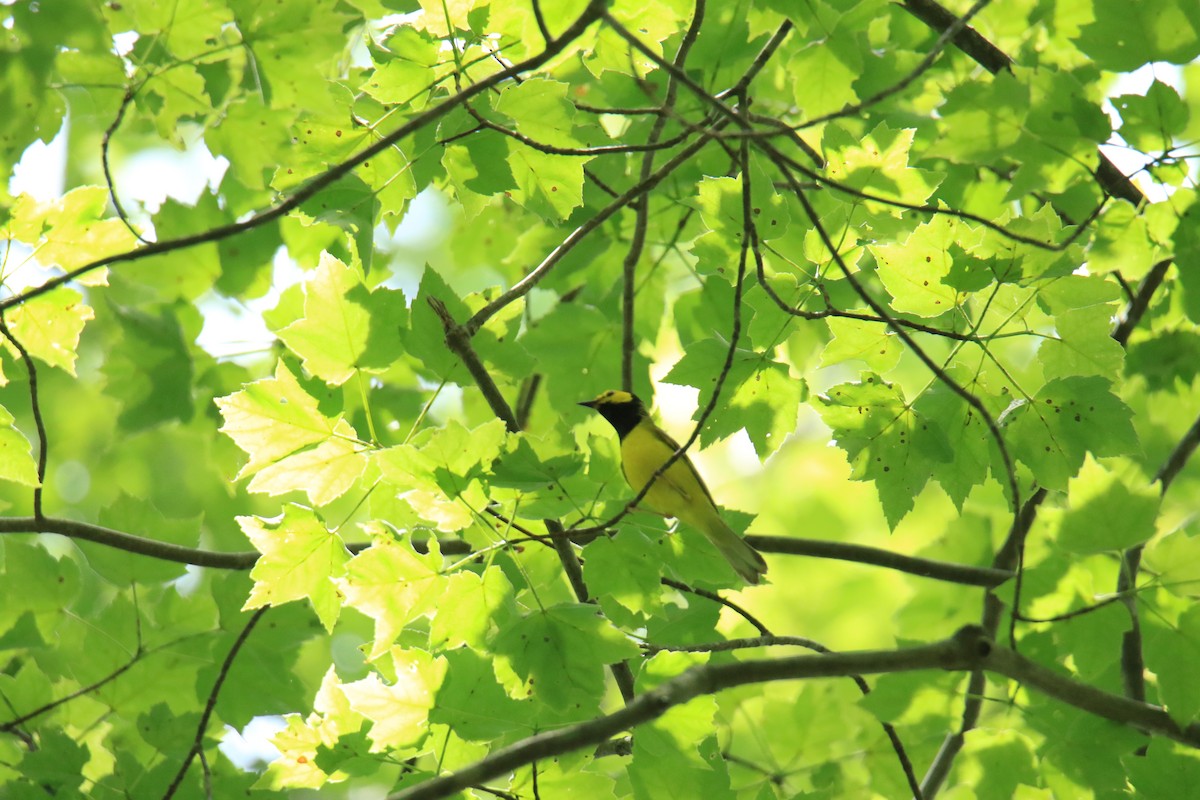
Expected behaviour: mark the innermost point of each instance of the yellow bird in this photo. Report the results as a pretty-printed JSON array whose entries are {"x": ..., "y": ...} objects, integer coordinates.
[{"x": 679, "y": 492}]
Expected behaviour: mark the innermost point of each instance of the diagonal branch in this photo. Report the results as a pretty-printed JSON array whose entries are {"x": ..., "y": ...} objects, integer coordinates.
[
  {"x": 459, "y": 342},
  {"x": 642, "y": 209},
  {"x": 955, "y": 653},
  {"x": 626, "y": 198},
  {"x": 994, "y": 60},
  {"x": 210, "y": 706}
]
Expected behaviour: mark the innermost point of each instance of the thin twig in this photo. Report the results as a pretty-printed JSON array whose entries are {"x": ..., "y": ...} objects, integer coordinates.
[
  {"x": 126, "y": 99},
  {"x": 642, "y": 207},
  {"x": 36, "y": 409},
  {"x": 210, "y": 706},
  {"x": 716, "y": 598},
  {"x": 523, "y": 286}
]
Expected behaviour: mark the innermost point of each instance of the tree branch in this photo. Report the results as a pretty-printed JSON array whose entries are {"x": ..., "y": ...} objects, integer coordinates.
[
  {"x": 1140, "y": 302},
  {"x": 989, "y": 577},
  {"x": 36, "y": 409},
  {"x": 459, "y": 342},
  {"x": 783, "y": 545},
  {"x": 994, "y": 60},
  {"x": 210, "y": 706},
  {"x": 523, "y": 286},
  {"x": 706, "y": 679},
  {"x": 968, "y": 649}
]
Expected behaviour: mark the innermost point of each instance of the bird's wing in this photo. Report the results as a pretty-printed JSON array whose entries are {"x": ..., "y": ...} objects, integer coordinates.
[{"x": 662, "y": 436}]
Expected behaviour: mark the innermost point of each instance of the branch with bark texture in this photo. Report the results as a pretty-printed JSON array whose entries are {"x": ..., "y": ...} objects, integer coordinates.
[
  {"x": 968, "y": 649},
  {"x": 946, "y": 571}
]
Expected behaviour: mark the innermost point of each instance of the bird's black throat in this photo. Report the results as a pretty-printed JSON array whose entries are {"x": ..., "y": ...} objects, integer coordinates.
[{"x": 624, "y": 417}]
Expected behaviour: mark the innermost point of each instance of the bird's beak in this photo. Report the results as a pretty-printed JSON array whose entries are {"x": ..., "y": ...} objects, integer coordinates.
[{"x": 588, "y": 404}]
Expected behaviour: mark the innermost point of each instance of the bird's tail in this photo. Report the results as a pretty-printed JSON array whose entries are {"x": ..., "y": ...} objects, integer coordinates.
[{"x": 744, "y": 559}]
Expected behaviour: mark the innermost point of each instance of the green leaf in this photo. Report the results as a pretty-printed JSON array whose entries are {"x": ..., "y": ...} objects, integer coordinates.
[
  {"x": 1005, "y": 760},
  {"x": 826, "y": 83},
  {"x": 541, "y": 111},
  {"x": 719, "y": 201},
  {"x": 1122, "y": 37},
  {"x": 151, "y": 370},
  {"x": 1083, "y": 346},
  {"x": 49, "y": 326},
  {"x": 71, "y": 231},
  {"x": 561, "y": 651},
  {"x": 915, "y": 270},
  {"x": 1162, "y": 769},
  {"x": 1170, "y": 649},
  {"x": 1176, "y": 557},
  {"x": 345, "y": 327},
  {"x": 16, "y": 460},
  {"x": 272, "y": 418},
  {"x": 1167, "y": 359},
  {"x": 886, "y": 440},
  {"x": 444, "y": 459},
  {"x": 549, "y": 186},
  {"x": 625, "y": 571},
  {"x": 765, "y": 404},
  {"x": 56, "y": 766},
  {"x": 759, "y": 395},
  {"x": 1122, "y": 244},
  {"x": 547, "y": 484},
  {"x": 392, "y": 584},
  {"x": 1150, "y": 121},
  {"x": 1107, "y": 512},
  {"x": 473, "y": 704},
  {"x": 967, "y": 436},
  {"x": 995, "y": 105},
  {"x": 870, "y": 342},
  {"x": 1067, "y": 419},
  {"x": 300, "y": 559},
  {"x": 324, "y": 473},
  {"x": 403, "y": 72},
  {"x": 675, "y": 757},
  {"x": 467, "y": 608},
  {"x": 878, "y": 163},
  {"x": 400, "y": 710}
]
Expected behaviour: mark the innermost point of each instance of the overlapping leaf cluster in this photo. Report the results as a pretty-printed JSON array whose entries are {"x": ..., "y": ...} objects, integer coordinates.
[{"x": 839, "y": 223}]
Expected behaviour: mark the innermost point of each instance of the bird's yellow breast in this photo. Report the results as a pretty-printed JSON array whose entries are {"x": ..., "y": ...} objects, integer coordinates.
[{"x": 678, "y": 492}]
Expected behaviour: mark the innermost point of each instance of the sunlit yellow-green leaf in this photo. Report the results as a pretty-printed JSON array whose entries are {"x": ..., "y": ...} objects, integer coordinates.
[
  {"x": 393, "y": 584},
  {"x": 273, "y": 418},
  {"x": 16, "y": 460},
  {"x": 300, "y": 558},
  {"x": 398, "y": 710}
]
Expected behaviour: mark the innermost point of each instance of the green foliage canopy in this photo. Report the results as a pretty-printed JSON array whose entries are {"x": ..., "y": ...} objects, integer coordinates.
[{"x": 887, "y": 226}]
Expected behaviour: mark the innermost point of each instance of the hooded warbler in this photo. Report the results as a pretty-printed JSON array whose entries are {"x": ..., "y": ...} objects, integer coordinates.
[{"x": 678, "y": 492}]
